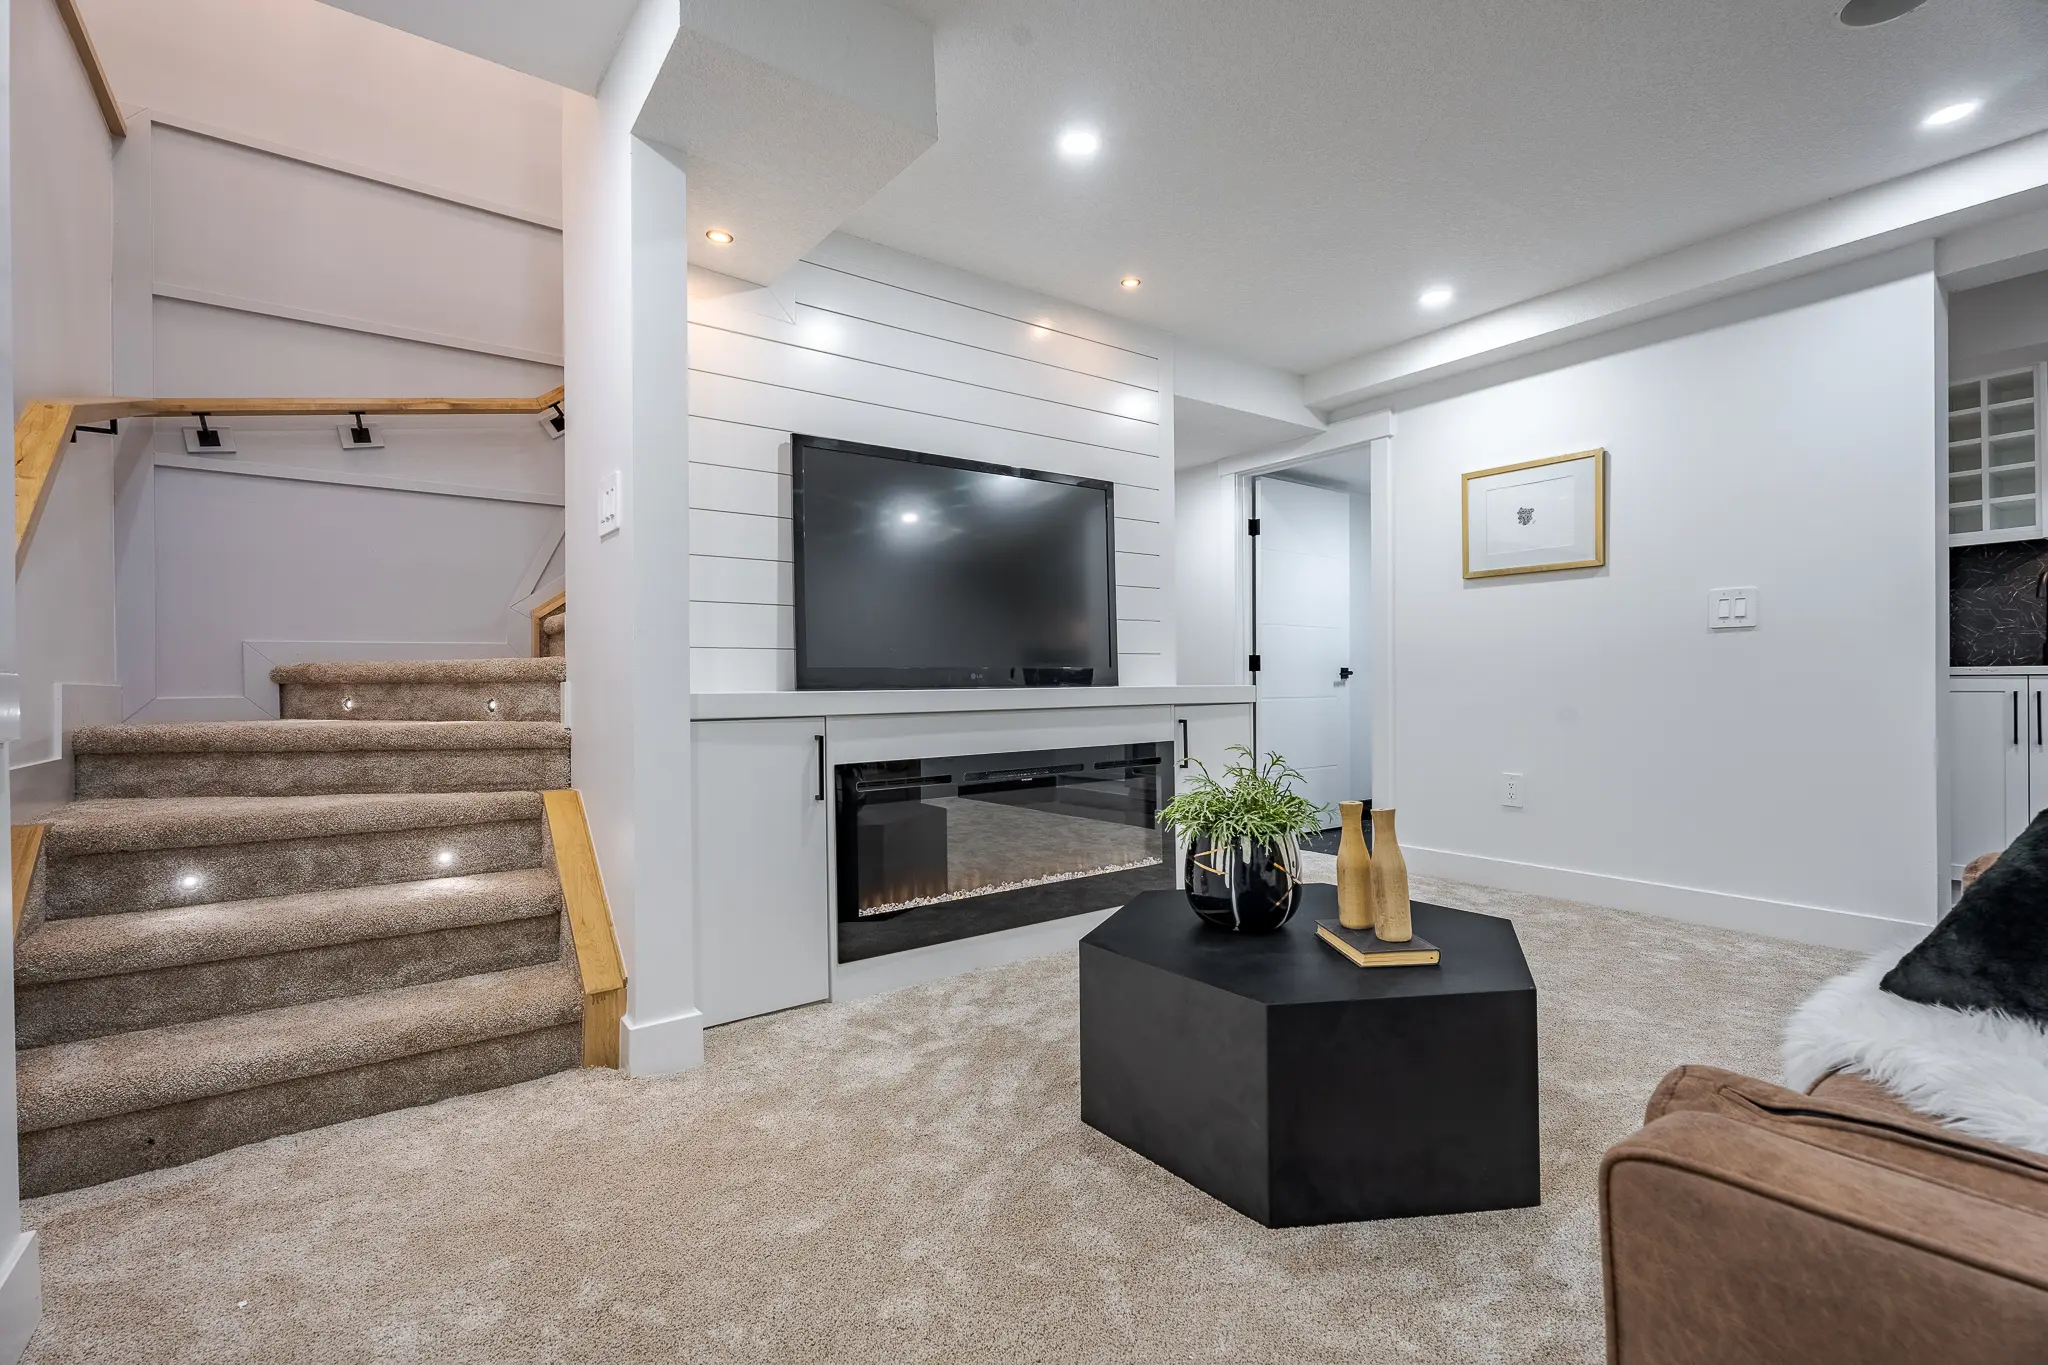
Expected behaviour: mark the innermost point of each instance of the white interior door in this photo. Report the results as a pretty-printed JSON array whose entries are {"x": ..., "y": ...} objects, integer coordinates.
[{"x": 1302, "y": 616}]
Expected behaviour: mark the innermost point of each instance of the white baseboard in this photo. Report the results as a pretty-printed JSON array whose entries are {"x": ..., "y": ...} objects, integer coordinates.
[
  {"x": 178, "y": 710},
  {"x": 39, "y": 771},
  {"x": 21, "y": 1297},
  {"x": 872, "y": 976},
  {"x": 661, "y": 1047},
  {"x": 1714, "y": 909}
]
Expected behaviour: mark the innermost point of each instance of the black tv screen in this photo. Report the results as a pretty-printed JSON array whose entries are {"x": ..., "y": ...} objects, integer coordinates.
[{"x": 922, "y": 571}]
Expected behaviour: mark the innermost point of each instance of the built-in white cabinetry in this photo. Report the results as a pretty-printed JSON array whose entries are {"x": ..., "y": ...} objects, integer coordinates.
[
  {"x": 762, "y": 816},
  {"x": 1997, "y": 760},
  {"x": 1206, "y": 733},
  {"x": 1994, "y": 465}
]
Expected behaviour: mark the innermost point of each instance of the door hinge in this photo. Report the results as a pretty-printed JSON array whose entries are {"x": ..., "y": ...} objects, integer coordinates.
[
  {"x": 1255, "y": 663},
  {"x": 1251, "y": 526}
]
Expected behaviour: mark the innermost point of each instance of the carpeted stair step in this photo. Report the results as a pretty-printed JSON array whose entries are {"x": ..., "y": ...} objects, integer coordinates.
[
  {"x": 554, "y": 635},
  {"x": 318, "y": 757},
  {"x": 440, "y": 689},
  {"x": 121, "y": 856},
  {"x": 104, "y": 974},
  {"x": 110, "y": 1107}
]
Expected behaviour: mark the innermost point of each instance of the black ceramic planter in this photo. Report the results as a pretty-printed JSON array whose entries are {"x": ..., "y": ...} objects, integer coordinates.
[{"x": 1248, "y": 896}]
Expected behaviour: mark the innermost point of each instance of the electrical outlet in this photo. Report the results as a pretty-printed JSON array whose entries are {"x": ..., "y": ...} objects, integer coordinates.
[
  {"x": 1511, "y": 790},
  {"x": 611, "y": 515}
]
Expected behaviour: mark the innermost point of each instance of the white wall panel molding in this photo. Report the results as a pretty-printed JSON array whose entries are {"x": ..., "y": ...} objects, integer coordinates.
[
  {"x": 216, "y": 464},
  {"x": 356, "y": 170},
  {"x": 235, "y": 303}
]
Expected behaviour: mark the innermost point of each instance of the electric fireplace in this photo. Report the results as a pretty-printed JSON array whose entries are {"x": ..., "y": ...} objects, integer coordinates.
[{"x": 936, "y": 849}]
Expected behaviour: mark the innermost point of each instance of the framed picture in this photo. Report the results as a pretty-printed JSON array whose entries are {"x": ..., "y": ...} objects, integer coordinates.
[{"x": 1537, "y": 516}]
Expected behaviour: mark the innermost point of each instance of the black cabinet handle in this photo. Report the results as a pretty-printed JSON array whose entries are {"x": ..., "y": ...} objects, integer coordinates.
[
  {"x": 2015, "y": 719},
  {"x": 821, "y": 767},
  {"x": 2037, "y": 717},
  {"x": 1183, "y": 741}
]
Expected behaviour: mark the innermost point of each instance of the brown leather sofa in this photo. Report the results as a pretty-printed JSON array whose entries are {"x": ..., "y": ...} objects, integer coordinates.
[{"x": 1749, "y": 1223}]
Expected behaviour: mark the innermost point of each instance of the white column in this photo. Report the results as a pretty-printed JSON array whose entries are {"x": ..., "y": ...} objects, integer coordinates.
[
  {"x": 625, "y": 340},
  {"x": 21, "y": 1295}
]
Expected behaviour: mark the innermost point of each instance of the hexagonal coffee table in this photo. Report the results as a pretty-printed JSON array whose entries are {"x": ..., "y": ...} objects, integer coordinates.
[{"x": 1297, "y": 1088}]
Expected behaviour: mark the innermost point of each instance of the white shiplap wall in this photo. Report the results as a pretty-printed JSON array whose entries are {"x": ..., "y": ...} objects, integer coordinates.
[{"x": 868, "y": 344}]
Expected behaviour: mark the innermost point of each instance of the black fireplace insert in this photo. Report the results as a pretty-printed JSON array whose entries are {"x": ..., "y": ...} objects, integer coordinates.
[{"x": 937, "y": 849}]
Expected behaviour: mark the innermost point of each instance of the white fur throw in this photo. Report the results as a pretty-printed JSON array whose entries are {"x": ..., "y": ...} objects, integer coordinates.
[{"x": 1985, "y": 1072}]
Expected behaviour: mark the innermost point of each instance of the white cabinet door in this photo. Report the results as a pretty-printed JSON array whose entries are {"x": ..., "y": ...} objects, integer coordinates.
[
  {"x": 2034, "y": 739},
  {"x": 763, "y": 835},
  {"x": 1990, "y": 740},
  {"x": 1206, "y": 733}
]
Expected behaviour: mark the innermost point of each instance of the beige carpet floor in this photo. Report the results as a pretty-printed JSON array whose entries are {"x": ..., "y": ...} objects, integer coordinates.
[{"x": 904, "y": 1179}]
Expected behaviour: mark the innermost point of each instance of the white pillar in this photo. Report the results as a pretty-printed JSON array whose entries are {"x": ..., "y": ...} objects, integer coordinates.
[{"x": 625, "y": 338}]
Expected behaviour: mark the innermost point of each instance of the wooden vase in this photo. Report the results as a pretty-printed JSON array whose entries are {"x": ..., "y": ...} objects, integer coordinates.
[
  {"x": 1389, "y": 882},
  {"x": 1354, "y": 869}
]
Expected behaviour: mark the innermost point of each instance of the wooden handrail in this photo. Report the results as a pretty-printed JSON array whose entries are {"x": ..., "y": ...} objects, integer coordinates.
[
  {"x": 95, "y": 73},
  {"x": 44, "y": 427},
  {"x": 590, "y": 927}
]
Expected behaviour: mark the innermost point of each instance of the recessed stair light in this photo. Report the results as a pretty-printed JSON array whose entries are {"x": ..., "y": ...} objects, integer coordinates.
[
  {"x": 1866, "y": 13},
  {"x": 1130, "y": 281},
  {"x": 1078, "y": 144},
  {"x": 189, "y": 882},
  {"x": 1951, "y": 113},
  {"x": 446, "y": 857},
  {"x": 719, "y": 236},
  {"x": 1436, "y": 296}
]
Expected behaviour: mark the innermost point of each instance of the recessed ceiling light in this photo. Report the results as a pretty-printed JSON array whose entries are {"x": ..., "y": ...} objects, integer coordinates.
[
  {"x": 720, "y": 236},
  {"x": 1130, "y": 281},
  {"x": 1864, "y": 13},
  {"x": 1951, "y": 113},
  {"x": 1436, "y": 296},
  {"x": 1078, "y": 144},
  {"x": 909, "y": 518}
]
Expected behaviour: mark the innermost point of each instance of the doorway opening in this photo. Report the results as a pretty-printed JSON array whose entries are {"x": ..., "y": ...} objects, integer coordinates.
[{"x": 1310, "y": 531}]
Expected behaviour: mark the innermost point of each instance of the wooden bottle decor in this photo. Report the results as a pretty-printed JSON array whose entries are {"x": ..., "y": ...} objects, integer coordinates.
[
  {"x": 1354, "y": 869},
  {"x": 1389, "y": 882}
]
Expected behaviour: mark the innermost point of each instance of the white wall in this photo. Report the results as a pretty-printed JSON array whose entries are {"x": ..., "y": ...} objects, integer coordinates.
[
  {"x": 866, "y": 344},
  {"x": 1782, "y": 780},
  {"x": 1205, "y": 605},
  {"x": 63, "y": 224},
  {"x": 312, "y": 204},
  {"x": 1998, "y": 327}
]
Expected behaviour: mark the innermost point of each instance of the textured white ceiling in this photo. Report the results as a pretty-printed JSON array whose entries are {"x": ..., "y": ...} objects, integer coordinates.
[{"x": 1287, "y": 176}]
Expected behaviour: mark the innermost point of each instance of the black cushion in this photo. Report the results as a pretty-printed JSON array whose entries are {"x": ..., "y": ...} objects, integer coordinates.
[{"x": 1991, "y": 952}]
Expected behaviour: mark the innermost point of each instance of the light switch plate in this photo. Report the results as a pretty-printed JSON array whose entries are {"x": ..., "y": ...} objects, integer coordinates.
[
  {"x": 611, "y": 515},
  {"x": 1731, "y": 608}
]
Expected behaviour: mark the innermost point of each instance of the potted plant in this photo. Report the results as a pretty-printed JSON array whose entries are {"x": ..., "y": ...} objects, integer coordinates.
[{"x": 1239, "y": 841}]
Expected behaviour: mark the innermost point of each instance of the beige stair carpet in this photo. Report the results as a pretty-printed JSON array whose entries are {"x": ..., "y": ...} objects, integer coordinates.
[
  {"x": 445, "y": 689},
  {"x": 554, "y": 634},
  {"x": 902, "y": 1179},
  {"x": 249, "y": 929}
]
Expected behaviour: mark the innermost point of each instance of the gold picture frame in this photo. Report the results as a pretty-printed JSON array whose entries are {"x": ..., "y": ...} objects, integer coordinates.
[{"x": 1587, "y": 548}]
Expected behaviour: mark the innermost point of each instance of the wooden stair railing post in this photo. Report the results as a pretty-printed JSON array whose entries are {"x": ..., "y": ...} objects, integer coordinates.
[{"x": 590, "y": 926}]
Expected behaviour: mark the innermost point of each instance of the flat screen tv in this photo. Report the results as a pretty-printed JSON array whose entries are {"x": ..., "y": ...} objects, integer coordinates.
[{"x": 923, "y": 571}]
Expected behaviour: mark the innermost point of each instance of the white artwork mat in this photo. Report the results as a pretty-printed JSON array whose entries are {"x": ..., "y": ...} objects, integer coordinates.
[{"x": 1546, "y": 516}]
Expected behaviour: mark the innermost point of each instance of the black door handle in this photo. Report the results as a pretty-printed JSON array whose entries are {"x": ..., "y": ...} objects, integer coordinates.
[
  {"x": 2015, "y": 719},
  {"x": 1343, "y": 675},
  {"x": 2037, "y": 717},
  {"x": 821, "y": 767},
  {"x": 1183, "y": 741}
]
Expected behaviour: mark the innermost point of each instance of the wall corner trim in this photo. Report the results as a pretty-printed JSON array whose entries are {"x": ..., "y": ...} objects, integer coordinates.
[{"x": 661, "y": 1047}]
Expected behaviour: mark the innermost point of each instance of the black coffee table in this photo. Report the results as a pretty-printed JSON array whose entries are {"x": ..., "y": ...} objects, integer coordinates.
[{"x": 1300, "y": 1089}]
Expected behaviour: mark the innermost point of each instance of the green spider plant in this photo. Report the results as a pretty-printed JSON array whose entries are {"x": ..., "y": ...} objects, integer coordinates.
[{"x": 1256, "y": 805}]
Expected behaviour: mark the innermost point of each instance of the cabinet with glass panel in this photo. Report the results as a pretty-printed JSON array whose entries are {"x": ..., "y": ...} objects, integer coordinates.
[{"x": 1994, "y": 465}]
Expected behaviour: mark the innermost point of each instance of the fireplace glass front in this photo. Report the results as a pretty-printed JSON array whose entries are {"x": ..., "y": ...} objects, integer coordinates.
[{"x": 936, "y": 849}]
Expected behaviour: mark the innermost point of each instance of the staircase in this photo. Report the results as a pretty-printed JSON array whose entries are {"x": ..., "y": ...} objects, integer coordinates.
[{"x": 246, "y": 929}]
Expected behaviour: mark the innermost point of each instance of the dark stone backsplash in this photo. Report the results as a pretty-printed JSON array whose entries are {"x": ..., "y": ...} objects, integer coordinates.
[{"x": 1994, "y": 616}]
